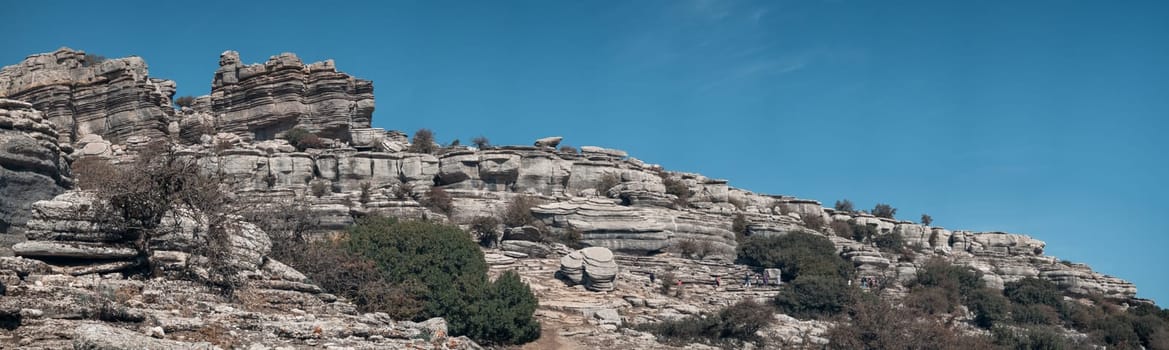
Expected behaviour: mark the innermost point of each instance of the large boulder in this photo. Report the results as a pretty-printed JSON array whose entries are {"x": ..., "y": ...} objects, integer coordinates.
[{"x": 594, "y": 267}]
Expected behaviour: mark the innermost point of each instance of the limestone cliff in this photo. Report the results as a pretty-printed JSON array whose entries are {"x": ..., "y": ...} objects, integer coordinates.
[
  {"x": 262, "y": 101},
  {"x": 114, "y": 98}
]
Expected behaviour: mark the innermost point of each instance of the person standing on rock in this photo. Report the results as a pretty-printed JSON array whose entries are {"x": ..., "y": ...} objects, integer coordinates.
[{"x": 651, "y": 278}]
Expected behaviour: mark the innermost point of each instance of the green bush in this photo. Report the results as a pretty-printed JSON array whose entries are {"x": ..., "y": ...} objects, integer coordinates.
[
  {"x": 861, "y": 233},
  {"x": 884, "y": 211},
  {"x": 736, "y": 322},
  {"x": 1034, "y": 291},
  {"x": 891, "y": 241},
  {"x": 503, "y": 313},
  {"x": 795, "y": 253},
  {"x": 814, "y": 296},
  {"x": 486, "y": 229},
  {"x": 451, "y": 267},
  {"x": 185, "y": 101},
  {"x": 295, "y": 135},
  {"x": 989, "y": 307},
  {"x": 940, "y": 273}
]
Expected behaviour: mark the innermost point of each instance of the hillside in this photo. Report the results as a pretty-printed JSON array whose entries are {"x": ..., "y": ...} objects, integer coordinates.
[{"x": 285, "y": 134}]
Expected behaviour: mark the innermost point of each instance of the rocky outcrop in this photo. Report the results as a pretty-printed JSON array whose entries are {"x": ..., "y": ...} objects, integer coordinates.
[
  {"x": 32, "y": 164},
  {"x": 637, "y": 230},
  {"x": 592, "y": 267},
  {"x": 263, "y": 101},
  {"x": 114, "y": 98}
]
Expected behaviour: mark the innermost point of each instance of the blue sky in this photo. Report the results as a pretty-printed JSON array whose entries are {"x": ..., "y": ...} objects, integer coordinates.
[{"x": 1043, "y": 117}]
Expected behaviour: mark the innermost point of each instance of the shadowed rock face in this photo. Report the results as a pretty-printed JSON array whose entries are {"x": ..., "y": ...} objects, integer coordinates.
[
  {"x": 115, "y": 98},
  {"x": 262, "y": 101},
  {"x": 32, "y": 167}
]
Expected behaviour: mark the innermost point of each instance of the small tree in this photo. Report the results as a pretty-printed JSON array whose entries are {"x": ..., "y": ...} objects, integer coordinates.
[
  {"x": 926, "y": 219},
  {"x": 884, "y": 211},
  {"x": 481, "y": 142},
  {"x": 185, "y": 101},
  {"x": 568, "y": 149},
  {"x": 423, "y": 142},
  {"x": 844, "y": 205}
]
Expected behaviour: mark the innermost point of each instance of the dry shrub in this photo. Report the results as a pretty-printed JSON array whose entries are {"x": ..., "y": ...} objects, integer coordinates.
[
  {"x": 132, "y": 198},
  {"x": 519, "y": 211},
  {"x": 320, "y": 188},
  {"x": 338, "y": 270},
  {"x": 841, "y": 228},
  {"x": 365, "y": 193},
  {"x": 437, "y": 199},
  {"x": 607, "y": 182},
  {"x": 813, "y": 221}
]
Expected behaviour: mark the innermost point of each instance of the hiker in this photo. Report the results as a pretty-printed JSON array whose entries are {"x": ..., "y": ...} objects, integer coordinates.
[
  {"x": 718, "y": 282},
  {"x": 651, "y": 277},
  {"x": 747, "y": 280},
  {"x": 766, "y": 279}
]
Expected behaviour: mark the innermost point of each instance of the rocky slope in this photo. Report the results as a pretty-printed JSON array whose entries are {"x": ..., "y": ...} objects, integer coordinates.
[{"x": 361, "y": 170}]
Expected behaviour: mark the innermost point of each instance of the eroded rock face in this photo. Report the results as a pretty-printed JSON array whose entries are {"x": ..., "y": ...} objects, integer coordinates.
[
  {"x": 32, "y": 165},
  {"x": 115, "y": 98},
  {"x": 263, "y": 101}
]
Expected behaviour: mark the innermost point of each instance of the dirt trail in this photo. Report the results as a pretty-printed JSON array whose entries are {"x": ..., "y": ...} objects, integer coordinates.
[{"x": 550, "y": 339}]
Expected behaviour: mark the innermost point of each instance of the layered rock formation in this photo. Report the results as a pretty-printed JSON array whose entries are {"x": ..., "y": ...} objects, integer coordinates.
[
  {"x": 32, "y": 164},
  {"x": 114, "y": 98},
  {"x": 263, "y": 101}
]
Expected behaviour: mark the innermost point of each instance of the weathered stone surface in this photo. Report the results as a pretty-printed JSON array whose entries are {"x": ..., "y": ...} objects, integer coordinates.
[
  {"x": 263, "y": 101},
  {"x": 32, "y": 165},
  {"x": 115, "y": 98},
  {"x": 96, "y": 336},
  {"x": 76, "y": 250}
]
